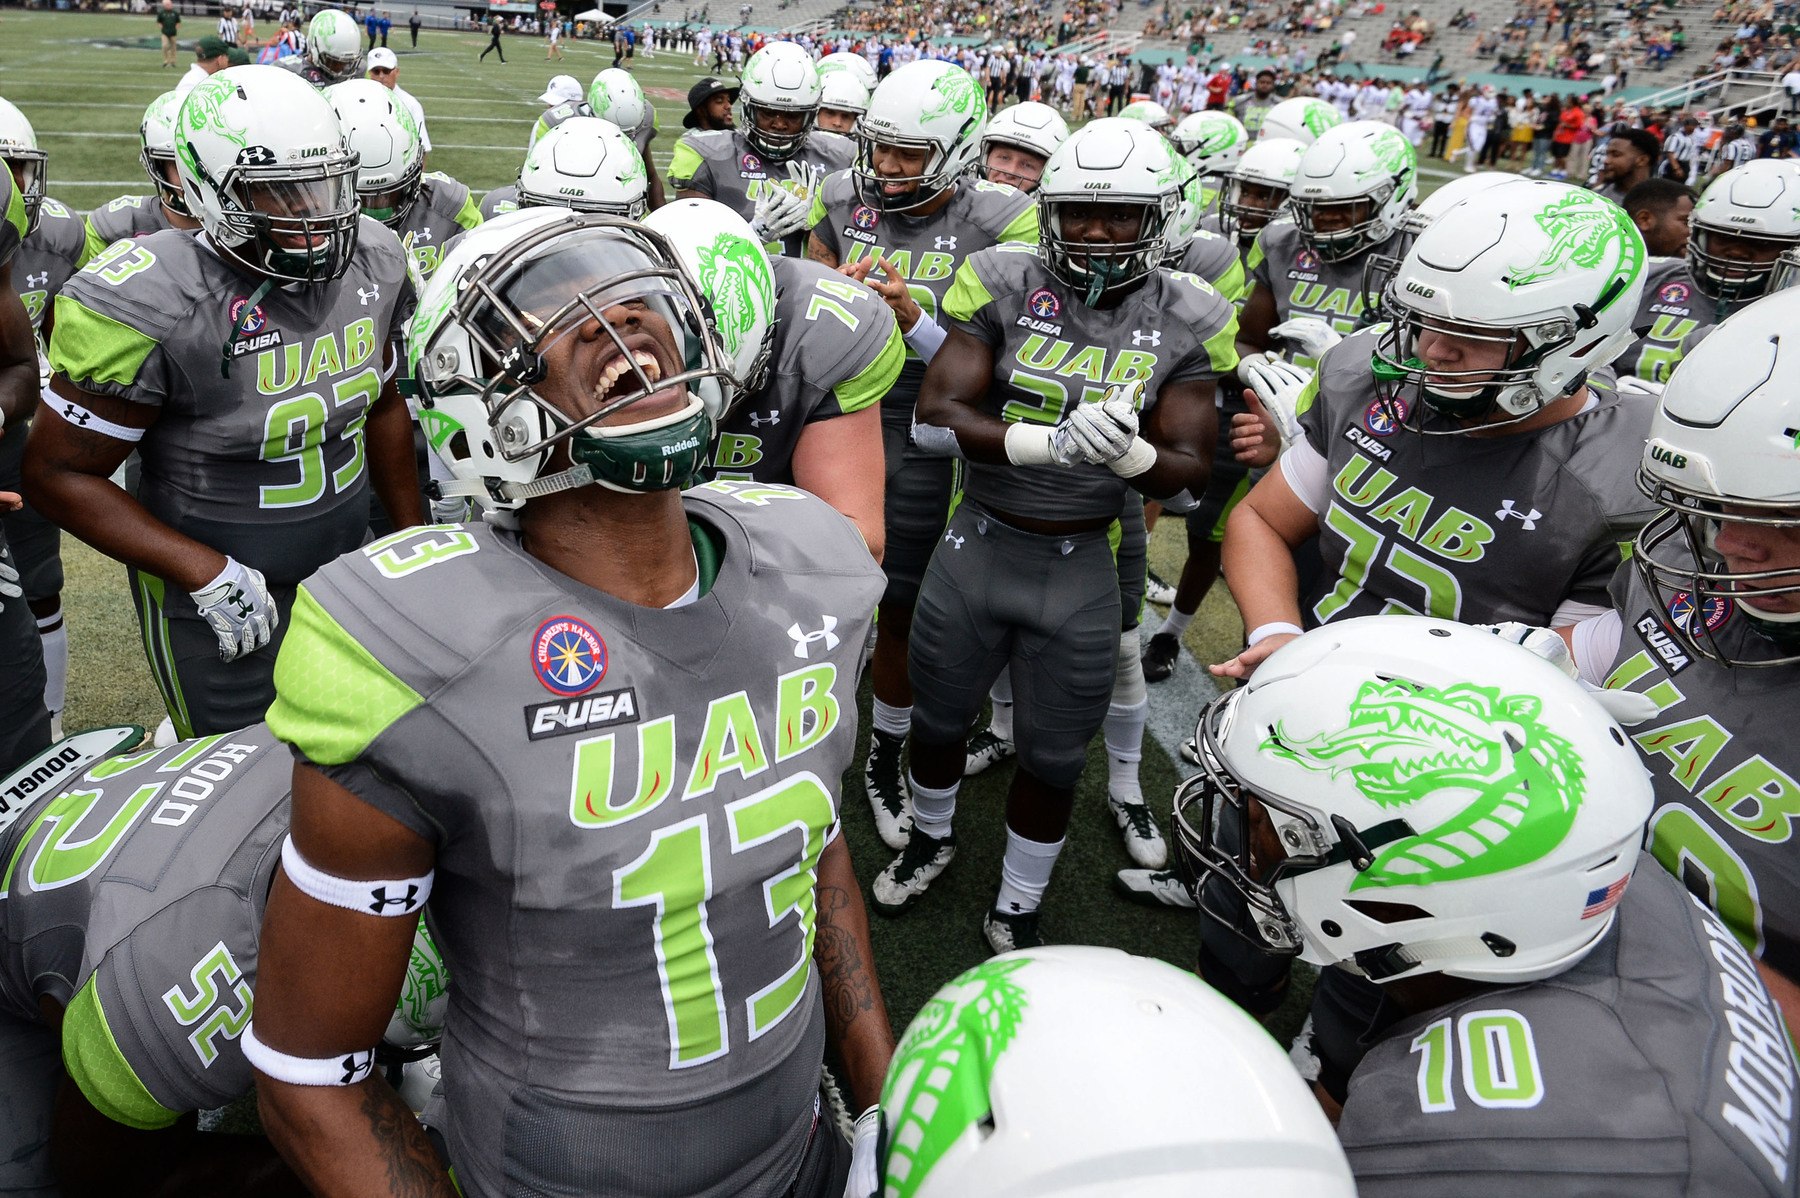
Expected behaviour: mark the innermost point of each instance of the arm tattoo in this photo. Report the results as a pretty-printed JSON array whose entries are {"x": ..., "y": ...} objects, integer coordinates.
[
  {"x": 843, "y": 976},
  {"x": 413, "y": 1169}
]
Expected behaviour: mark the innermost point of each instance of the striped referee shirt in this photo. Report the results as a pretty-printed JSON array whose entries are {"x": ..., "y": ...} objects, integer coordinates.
[
  {"x": 1736, "y": 153},
  {"x": 1684, "y": 148}
]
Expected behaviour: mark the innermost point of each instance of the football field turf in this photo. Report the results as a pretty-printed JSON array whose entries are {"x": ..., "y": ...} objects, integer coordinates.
[{"x": 84, "y": 81}]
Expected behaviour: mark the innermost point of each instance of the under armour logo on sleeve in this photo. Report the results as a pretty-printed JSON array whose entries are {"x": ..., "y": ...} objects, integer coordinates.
[
  {"x": 356, "y": 1066},
  {"x": 382, "y": 900}
]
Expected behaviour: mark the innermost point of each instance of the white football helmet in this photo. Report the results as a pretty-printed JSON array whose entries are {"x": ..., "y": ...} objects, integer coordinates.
[
  {"x": 925, "y": 105},
  {"x": 1109, "y": 161},
  {"x": 1551, "y": 271},
  {"x": 724, "y": 257},
  {"x": 1257, "y": 190},
  {"x": 1721, "y": 448},
  {"x": 267, "y": 174},
  {"x": 1214, "y": 141},
  {"x": 30, "y": 164},
  {"x": 1380, "y": 268},
  {"x": 854, "y": 65},
  {"x": 1030, "y": 126},
  {"x": 556, "y": 115},
  {"x": 779, "y": 78},
  {"x": 156, "y": 142},
  {"x": 1187, "y": 215},
  {"x": 616, "y": 96},
  {"x": 1364, "y": 166},
  {"x": 1402, "y": 795},
  {"x": 385, "y": 139},
  {"x": 507, "y": 290},
  {"x": 418, "y": 1021},
  {"x": 1303, "y": 119},
  {"x": 841, "y": 91},
  {"x": 1151, "y": 113},
  {"x": 589, "y": 165},
  {"x": 334, "y": 44},
  {"x": 995, "y": 1089},
  {"x": 1756, "y": 204}
]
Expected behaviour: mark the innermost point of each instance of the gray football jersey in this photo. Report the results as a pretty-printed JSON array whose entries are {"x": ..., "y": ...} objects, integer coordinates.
[
  {"x": 499, "y": 201},
  {"x": 628, "y": 805},
  {"x": 265, "y": 463},
  {"x": 1675, "y": 315},
  {"x": 720, "y": 165},
  {"x": 1721, "y": 753},
  {"x": 1051, "y": 351},
  {"x": 1657, "y": 1067},
  {"x": 444, "y": 209},
  {"x": 127, "y": 216},
  {"x": 47, "y": 258},
  {"x": 1215, "y": 259},
  {"x": 837, "y": 350},
  {"x": 1303, "y": 284},
  {"x": 134, "y": 899},
  {"x": 1476, "y": 529},
  {"x": 927, "y": 250}
]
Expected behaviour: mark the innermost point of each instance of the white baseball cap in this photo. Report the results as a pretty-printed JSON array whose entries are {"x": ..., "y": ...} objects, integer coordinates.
[
  {"x": 383, "y": 58},
  {"x": 562, "y": 89}
]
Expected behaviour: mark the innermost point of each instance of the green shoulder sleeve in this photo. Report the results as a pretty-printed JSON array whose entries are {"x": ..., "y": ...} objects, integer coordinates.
[
  {"x": 1234, "y": 284},
  {"x": 95, "y": 1064},
  {"x": 1024, "y": 227},
  {"x": 967, "y": 295},
  {"x": 684, "y": 164},
  {"x": 15, "y": 215},
  {"x": 469, "y": 215},
  {"x": 93, "y": 349},
  {"x": 868, "y": 385},
  {"x": 332, "y": 698}
]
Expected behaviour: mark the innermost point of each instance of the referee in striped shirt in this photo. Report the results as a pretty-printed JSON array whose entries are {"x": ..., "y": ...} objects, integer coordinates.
[
  {"x": 1735, "y": 149},
  {"x": 1681, "y": 152}
]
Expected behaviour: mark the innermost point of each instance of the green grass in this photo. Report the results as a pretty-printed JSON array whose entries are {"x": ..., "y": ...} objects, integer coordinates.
[{"x": 84, "y": 80}]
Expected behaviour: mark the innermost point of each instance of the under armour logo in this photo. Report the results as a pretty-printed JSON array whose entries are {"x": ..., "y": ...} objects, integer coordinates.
[
  {"x": 1528, "y": 520},
  {"x": 1139, "y": 337},
  {"x": 370, "y": 296},
  {"x": 74, "y": 415},
  {"x": 943, "y": 243},
  {"x": 955, "y": 541},
  {"x": 757, "y": 419},
  {"x": 804, "y": 641},
  {"x": 382, "y": 902},
  {"x": 37, "y": 280},
  {"x": 357, "y": 1066},
  {"x": 256, "y": 156},
  {"x": 423, "y": 234}
]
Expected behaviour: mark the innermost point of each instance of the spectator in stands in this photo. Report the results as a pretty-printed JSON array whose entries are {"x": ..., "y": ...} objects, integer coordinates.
[
  {"x": 1630, "y": 157},
  {"x": 1660, "y": 209},
  {"x": 1778, "y": 142}
]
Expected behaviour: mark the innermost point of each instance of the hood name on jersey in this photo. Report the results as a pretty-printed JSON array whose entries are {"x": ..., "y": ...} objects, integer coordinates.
[
  {"x": 560, "y": 717},
  {"x": 732, "y": 741},
  {"x": 1759, "y": 1062},
  {"x": 204, "y": 765},
  {"x": 281, "y": 370}
]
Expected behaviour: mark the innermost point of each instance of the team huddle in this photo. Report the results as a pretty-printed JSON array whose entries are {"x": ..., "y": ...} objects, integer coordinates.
[{"x": 665, "y": 465}]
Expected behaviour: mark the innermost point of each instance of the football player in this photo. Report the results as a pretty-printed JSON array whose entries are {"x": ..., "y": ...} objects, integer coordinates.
[
  {"x": 1213, "y": 142},
  {"x": 251, "y": 370},
  {"x": 1040, "y": 393},
  {"x": 1703, "y": 622},
  {"x": 709, "y": 909},
  {"x": 505, "y": 198},
  {"x": 141, "y": 215},
  {"x": 587, "y": 165},
  {"x": 808, "y": 413},
  {"x": 616, "y": 96},
  {"x": 1421, "y": 804},
  {"x": 1741, "y": 226},
  {"x": 904, "y": 219},
  {"x": 1018, "y": 141},
  {"x": 992, "y": 1089},
  {"x": 24, "y": 721},
  {"x": 1256, "y": 190},
  {"x": 1304, "y": 119},
  {"x": 768, "y": 168},
  {"x": 134, "y": 894},
  {"x": 423, "y": 209},
  {"x": 842, "y": 101},
  {"x": 334, "y": 50},
  {"x": 47, "y": 257}
]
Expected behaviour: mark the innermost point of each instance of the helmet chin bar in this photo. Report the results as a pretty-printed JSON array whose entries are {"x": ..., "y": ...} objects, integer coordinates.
[
  {"x": 1727, "y": 280},
  {"x": 776, "y": 147},
  {"x": 1119, "y": 264},
  {"x": 1341, "y": 245},
  {"x": 927, "y": 185}
]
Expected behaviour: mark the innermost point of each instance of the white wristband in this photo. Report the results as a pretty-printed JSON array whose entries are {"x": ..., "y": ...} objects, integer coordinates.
[
  {"x": 80, "y": 417},
  {"x": 926, "y": 337},
  {"x": 1029, "y": 445},
  {"x": 1137, "y": 458},
  {"x": 345, "y": 1070},
  {"x": 1273, "y": 628},
  {"x": 400, "y": 896}
]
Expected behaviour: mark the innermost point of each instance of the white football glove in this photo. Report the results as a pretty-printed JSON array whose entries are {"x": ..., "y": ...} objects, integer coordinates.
[
  {"x": 865, "y": 1165},
  {"x": 1627, "y": 707},
  {"x": 1307, "y": 336},
  {"x": 9, "y": 583},
  {"x": 1103, "y": 430},
  {"x": 240, "y": 609},
  {"x": 1278, "y": 385},
  {"x": 779, "y": 213},
  {"x": 1632, "y": 385}
]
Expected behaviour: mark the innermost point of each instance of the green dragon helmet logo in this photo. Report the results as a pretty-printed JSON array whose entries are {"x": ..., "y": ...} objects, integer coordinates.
[
  {"x": 204, "y": 111},
  {"x": 1585, "y": 231},
  {"x": 427, "y": 981},
  {"x": 1406, "y": 742},
  {"x": 737, "y": 286},
  {"x": 1319, "y": 116},
  {"x": 599, "y": 96},
  {"x": 163, "y": 110},
  {"x": 955, "y": 92},
  {"x": 1221, "y": 137},
  {"x": 634, "y": 167},
  {"x": 942, "y": 1069},
  {"x": 1394, "y": 155}
]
